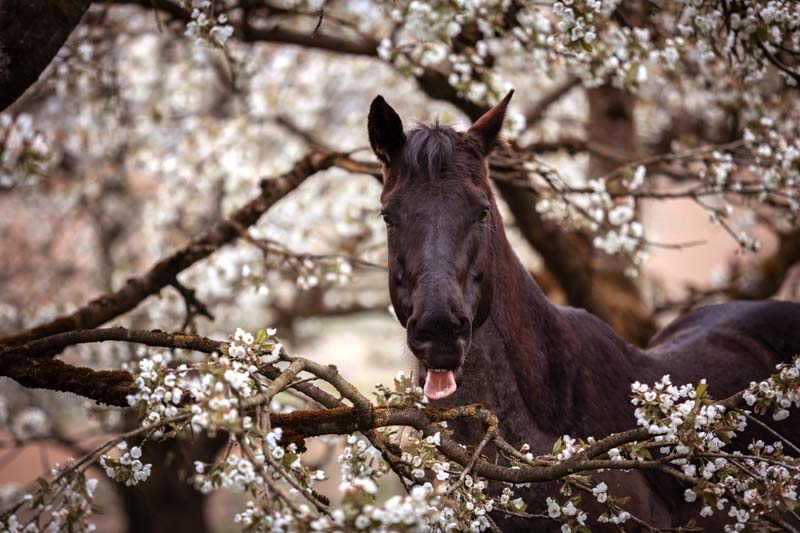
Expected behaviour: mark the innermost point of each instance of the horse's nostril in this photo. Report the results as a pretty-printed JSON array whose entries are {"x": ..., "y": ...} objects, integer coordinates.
[
  {"x": 420, "y": 348},
  {"x": 455, "y": 313}
]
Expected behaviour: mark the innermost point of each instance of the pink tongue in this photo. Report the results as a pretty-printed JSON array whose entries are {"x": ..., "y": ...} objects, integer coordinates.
[{"x": 439, "y": 385}]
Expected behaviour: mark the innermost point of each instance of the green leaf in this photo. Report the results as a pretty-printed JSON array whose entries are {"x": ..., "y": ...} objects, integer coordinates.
[{"x": 558, "y": 446}]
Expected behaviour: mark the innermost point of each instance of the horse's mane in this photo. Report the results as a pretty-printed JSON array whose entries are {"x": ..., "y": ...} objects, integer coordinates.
[{"x": 429, "y": 150}]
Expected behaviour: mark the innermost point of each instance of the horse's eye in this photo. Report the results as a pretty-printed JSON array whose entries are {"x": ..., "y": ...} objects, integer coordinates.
[
  {"x": 483, "y": 215},
  {"x": 387, "y": 220}
]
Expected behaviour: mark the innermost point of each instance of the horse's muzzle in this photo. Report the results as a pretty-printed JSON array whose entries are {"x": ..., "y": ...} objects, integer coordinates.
[{"x": 439, "y": 366}]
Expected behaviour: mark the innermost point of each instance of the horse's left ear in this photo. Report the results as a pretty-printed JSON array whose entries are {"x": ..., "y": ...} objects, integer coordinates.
[
  {"x": 486, "y": 129},
  {"x": 385, "y": 130}
]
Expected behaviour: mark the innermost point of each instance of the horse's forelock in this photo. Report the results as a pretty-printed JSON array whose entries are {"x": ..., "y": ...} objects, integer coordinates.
[{"x": 430, "y": 151}]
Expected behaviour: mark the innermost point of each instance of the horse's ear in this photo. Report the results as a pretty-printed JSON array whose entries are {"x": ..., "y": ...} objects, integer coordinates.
[
  {"x": 385, "y": 129},
  {"x": 486, "y": 129}
]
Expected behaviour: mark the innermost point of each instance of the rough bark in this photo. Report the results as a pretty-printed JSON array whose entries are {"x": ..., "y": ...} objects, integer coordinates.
[{"x": 106, "y": 386}]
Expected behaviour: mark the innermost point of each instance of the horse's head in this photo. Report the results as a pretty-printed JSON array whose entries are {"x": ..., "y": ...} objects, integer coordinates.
[{"x": 441, "y": 218}]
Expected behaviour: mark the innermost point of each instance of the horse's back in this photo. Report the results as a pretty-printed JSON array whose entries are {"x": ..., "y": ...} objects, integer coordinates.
[
  {"x": 730, "y": 344},
  {"x": 776, "y": 323}
]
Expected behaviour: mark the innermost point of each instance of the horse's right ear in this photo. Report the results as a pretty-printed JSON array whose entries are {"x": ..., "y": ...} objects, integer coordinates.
[
  {"x": 385, "y": 129},
  {"x": 486, "y": 129}
]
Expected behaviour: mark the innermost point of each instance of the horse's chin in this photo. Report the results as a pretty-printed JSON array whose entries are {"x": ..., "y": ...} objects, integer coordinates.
[{"x": 439, "y": 383}]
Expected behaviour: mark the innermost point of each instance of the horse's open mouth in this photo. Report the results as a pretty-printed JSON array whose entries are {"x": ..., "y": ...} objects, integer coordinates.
[{"x": 439, "y": 383}]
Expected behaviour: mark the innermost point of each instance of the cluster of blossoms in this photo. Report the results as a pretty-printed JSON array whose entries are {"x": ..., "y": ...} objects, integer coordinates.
[
  {"x": 719, "y": 171},
  {"x": 612, "y": 220},
  {"x": 65, "y": 504},
  {"x": 264, "y": 458},
  {"x": 751, "y": 34},
  {"x": 683, "y": 416},
  {"x": 206, "y": 27},
  {"x": 24, "y": 153},
  {"x": 412, "y": 512},
  {"x": 213, "y": 389},
  {"x": 362, "y": 468},
  {"x": 128, "y": 467},
  {"x": 421, "y": 453},
  {"x": 778, "y": 392},
  {"x": 598, "y": 50},
  {"x": 29, "y": 423},
  {"x": 315, "y": 273},
  {"x": 570, "y": 516},
  {"x": 448, "y": 504},
  {"x": 692, "y": 429},
  {"x": 743, "y": 39},
  {"x": 157, "y": 386},
  {"x": 565, "y": 447},
  {"x": 578, "y": 31},
  {"x": 613, "y": 514},
  {"x": 361, "y": 464},
  {"x": 773, "y": 139},
  {"x": 753, "y": 486}
]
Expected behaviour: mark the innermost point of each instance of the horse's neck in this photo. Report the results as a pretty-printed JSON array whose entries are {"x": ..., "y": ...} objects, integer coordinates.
[
  {"x": 490, "y": 379},
  {"x": 538, "y": 366}
]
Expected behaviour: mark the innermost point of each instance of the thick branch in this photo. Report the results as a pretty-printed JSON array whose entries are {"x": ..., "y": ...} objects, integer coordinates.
[
  {"x": 333, "y": 43},
  {"x": 32, "y": 365},
  {"x": 106, "y": 386},
  {"x": 47, "y": 346}
]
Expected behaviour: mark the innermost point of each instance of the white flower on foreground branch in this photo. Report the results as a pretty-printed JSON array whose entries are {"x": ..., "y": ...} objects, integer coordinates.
[{"x": 237, "y": 390}]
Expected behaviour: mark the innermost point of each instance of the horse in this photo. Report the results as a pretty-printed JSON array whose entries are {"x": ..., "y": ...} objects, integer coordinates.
[{"x": 482, "y": 331}]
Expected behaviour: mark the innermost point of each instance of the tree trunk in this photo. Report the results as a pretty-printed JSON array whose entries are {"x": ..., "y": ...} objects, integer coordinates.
[
  {"x": 611, "y": 117},
  {"x": 167, "y": 502},
  {"x": 31, "y": 33}
]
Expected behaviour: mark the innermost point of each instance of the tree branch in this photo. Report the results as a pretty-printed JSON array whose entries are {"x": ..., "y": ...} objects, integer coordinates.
[
  {"x": 164, "y": 273},
  {"x": 110, "y": 387},
  {"x": 49, "y": 346},
  {"x": 537, "y": 111}
]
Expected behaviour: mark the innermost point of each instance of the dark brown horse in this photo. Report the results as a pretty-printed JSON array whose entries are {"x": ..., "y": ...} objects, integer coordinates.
[{"x": 482, "y": 330}]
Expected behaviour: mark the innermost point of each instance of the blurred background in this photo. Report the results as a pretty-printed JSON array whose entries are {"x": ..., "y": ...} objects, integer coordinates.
[{"x": 137, "y": 138}]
